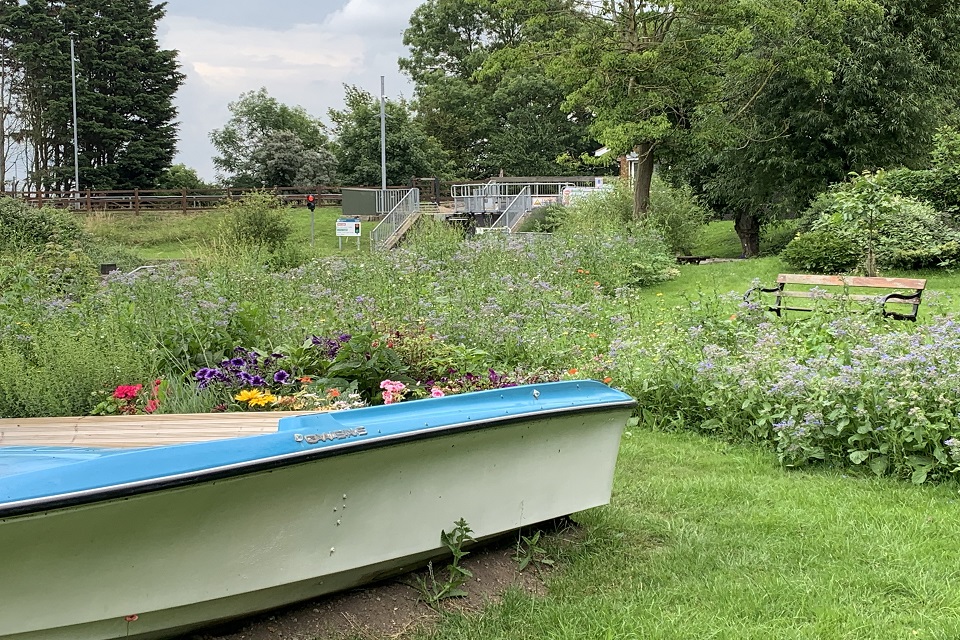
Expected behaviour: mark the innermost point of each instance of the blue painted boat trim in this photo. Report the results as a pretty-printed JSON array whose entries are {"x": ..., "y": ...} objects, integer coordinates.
[{"x": 96, "y": 475}]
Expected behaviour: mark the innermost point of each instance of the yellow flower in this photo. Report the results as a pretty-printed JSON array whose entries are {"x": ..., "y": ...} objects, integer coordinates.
[
  {"x": 263, "y": 400},
  {"x": 248, "y": 395},
  {"x": 659, "y": 294}
]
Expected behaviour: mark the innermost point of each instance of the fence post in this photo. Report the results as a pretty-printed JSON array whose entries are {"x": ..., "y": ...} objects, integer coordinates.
[
  {"x": 89, "y": 202},
  {"x": 183, "y": 199},
  {"x": 136, "y": 201}
]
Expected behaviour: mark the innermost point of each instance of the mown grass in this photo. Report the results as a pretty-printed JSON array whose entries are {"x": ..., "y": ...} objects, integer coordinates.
[
  {"x": 172, "y": 235},
  {"x": 708, "y": 540}
]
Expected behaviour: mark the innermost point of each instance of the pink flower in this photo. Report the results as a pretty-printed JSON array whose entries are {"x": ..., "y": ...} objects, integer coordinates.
[
  {"x": 151, "y": 406},
  {"x": 387, "y": 397},
  {"x": 393, "y": 386},
  {"x": 436, "y": 392},
  {"x": 127, "y": 391}
]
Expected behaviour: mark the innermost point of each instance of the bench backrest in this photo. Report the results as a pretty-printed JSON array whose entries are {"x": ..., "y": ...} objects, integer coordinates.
[
  {"x": 914, "y": 285},
  {"x": 853, "y": 281}
]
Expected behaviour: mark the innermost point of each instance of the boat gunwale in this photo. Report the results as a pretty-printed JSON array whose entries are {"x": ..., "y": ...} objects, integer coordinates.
[{"x": 33, "y": 506}]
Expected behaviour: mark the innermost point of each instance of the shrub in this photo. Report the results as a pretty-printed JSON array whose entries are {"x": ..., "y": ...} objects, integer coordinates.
[
  {"x": 821, "y": 252},
  {"x": 546, "y": 219},
  {"x": 676, "y": 215},
  {"x": 886, "y": 230},
  {"x": 854, "y": 390},
  {"x": 257, "y": 221},
  {"x": 775, "y": 236},
  {"x": 940, "y": 184},
  {"x": 27, "y": 228}
]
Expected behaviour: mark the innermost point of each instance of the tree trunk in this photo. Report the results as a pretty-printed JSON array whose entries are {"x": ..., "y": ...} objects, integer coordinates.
[
  {"x": 748, "y": 228},
  {"x": 641, "y": 181}
]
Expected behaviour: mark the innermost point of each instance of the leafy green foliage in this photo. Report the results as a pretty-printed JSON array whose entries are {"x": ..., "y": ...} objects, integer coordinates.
[
  {"x": 530, "y": 551},
  {"x": 501, "y": 119},
  {"x": 411, "y": 152},
  {"x": 125, "y": 88},
  {"x": 255, "y": 119},
  {"x": 614, "y": 252},
  {"x": 676, "y": 215},
  {"x": 257, "y": 221},
  {"x": 848, "y": 87},
  {"x": 885, "y": 230},
  {"x": 282, "y": 159},
  {"x": 432, "y": 588},
  {"x": 27, "y": 228},
  {"x": 180, "y": 176},
  {"x": 940, "y": 184},
  {"x": 822, "y": 251}
]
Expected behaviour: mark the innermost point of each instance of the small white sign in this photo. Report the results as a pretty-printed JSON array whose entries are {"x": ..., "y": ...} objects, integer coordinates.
[
  {"x": 598, "y": 182},
  {"x": 348, "y": 227}
]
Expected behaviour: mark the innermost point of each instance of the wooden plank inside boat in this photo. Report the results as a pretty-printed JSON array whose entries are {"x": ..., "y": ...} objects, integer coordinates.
[{"x": 137, "y": 431}]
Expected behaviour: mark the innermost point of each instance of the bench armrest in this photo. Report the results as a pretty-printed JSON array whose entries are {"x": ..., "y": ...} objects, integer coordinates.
[{"x": 746, "y": 296}]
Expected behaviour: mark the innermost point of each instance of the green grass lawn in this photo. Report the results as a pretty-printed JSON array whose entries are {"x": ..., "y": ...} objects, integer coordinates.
[
  {"x": 169, "y": 235},
  {"x": 707, "y": 540}
]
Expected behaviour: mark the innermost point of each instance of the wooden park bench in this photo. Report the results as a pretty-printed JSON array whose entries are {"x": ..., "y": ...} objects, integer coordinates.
[{"x": 810, "y": 289}]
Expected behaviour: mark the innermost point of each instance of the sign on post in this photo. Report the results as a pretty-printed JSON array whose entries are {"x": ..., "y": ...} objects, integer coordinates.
[{"x": 348, "y": 228}]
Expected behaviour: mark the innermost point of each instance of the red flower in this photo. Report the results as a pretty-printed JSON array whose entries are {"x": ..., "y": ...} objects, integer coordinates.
[
  {"x": 151, "y": 406},
  {"x": 127, "y": 391}
]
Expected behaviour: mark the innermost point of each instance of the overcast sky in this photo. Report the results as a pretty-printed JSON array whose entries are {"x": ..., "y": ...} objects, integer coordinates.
[{"x": 302, "y": 52}]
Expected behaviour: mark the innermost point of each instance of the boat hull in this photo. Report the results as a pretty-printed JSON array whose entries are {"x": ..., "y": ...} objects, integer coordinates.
[{"x": 156, "y": 564}]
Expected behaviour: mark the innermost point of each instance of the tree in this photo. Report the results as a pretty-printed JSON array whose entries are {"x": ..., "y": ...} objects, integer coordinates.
[
  {"x": 125, "y": 88},
  {"x": 851, "y": 87},
  {"x": 254, "y": 116},
  {"x": 180, "y": 176},
  {"x": 282, "y": 159},
  {"x": 410, "y": 151},
  {"x": 502, "y": 120}
]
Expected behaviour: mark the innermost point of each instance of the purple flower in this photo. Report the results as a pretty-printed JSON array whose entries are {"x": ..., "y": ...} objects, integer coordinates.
[{"x": 281, "y": 376}]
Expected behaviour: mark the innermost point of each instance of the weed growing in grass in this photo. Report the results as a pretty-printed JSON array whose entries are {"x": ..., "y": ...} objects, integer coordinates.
[
  {"x": 435, "y": 588},
  {"x": 530, "y": 551}
]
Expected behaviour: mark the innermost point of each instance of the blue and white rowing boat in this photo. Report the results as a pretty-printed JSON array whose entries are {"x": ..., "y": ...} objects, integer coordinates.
[{"x": 150, "y": 526}]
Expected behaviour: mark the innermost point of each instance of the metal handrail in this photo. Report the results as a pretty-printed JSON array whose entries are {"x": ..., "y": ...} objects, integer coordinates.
[
  {"x": 405, "y": 208},
  {"x": 520, "y": 204},
  {"x": 387, "y": 199}
]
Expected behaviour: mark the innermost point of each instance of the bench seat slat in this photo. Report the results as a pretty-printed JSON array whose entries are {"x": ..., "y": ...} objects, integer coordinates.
[{"x": 787, "y": 293}]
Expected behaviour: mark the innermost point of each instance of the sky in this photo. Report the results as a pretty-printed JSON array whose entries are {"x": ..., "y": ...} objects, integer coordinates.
[{"x": 303, "y": 52}]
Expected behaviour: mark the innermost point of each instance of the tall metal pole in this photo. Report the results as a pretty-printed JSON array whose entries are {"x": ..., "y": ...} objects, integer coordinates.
[
  {"x": 76, "y": 154},
  {"x": 383, "y": 137}
]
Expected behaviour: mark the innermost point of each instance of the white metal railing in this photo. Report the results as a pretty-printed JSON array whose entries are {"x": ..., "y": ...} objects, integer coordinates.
[
  {"x": 515, "y": 210},
  {"x": 494, "y": 197},
  {"x": 404, "y": 209},
  {"x": 387, "y": 199}
]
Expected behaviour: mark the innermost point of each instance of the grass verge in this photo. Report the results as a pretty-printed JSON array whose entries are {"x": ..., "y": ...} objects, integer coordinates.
[{"x": 708, "y": 540}]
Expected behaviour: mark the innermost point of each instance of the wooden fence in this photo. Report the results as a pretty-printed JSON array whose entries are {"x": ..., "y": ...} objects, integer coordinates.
[{"x": 183, "y": 200}]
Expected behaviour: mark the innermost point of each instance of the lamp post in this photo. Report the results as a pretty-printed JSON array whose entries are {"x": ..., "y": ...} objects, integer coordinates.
[
  {"x": 76, "y": 154},
  {"x": 383, "y": 138}
]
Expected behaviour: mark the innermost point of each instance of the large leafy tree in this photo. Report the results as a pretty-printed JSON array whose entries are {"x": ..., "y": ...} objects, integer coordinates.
[
  {"x": 255, "y": 118},
  {"x": 410, "y": 151},
  {"x": 282, "y": 159},
  {"x": 510, "y": 120},
  {"x": 652, "y": 74},
  {"x": 125, "y": 88},
  {"x": 855, "y": 86}
]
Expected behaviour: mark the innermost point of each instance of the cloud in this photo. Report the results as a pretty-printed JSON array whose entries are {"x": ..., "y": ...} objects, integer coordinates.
[{"x": 302, "y": 64}]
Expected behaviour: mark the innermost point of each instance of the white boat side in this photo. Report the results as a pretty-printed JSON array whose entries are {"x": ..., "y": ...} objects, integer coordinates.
[{"x": 150, "y": 564}]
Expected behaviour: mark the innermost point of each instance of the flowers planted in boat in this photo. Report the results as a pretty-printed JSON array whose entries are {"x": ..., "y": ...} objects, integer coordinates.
[
  {"x": 255, "y": 398},
  {"x": 128, "y": 399},
  {"x": 393, "y": 391}
]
